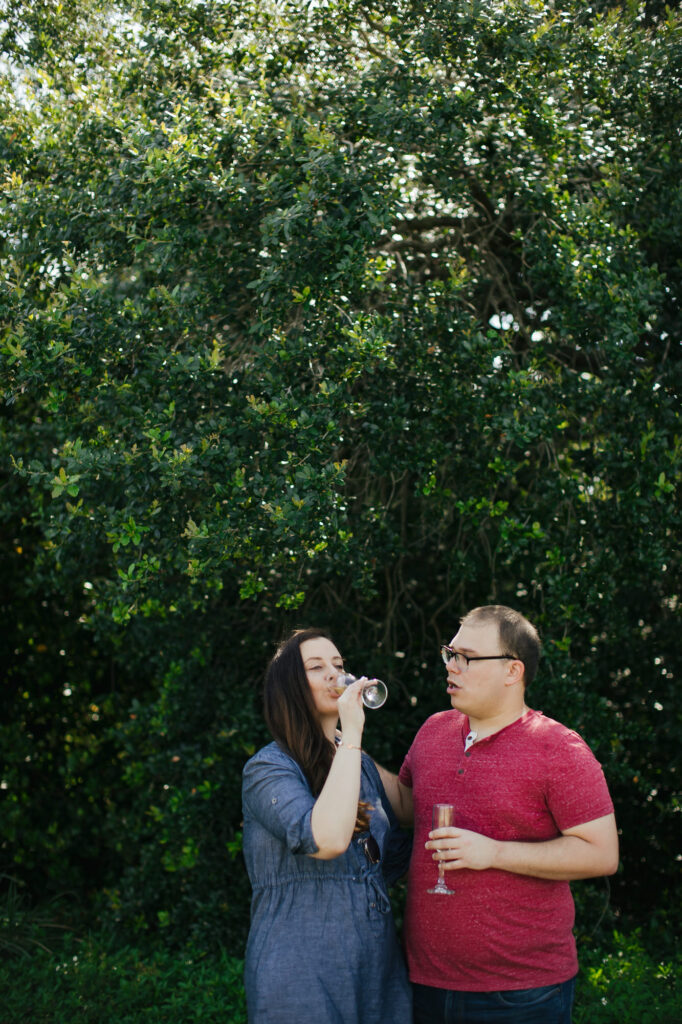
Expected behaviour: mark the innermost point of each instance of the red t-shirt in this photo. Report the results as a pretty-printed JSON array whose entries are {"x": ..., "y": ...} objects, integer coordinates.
[{"x": 527, "y": 782}]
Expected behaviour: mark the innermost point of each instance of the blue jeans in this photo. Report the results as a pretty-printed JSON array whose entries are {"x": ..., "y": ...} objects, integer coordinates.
[{"x": 550, "y": 1004}]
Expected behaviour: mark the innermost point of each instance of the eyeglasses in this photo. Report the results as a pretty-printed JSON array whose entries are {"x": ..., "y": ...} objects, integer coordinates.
[
  {"x": 371, "y": 848},
  {"x": 462, "y": 660}
]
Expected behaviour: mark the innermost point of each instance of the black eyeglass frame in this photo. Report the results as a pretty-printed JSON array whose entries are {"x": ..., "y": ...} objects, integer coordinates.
[
  {"x": 370, "y": 848},
  {"x": 447, "y": 654}
]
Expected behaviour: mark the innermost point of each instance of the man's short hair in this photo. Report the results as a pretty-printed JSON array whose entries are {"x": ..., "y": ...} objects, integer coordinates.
[{"x": 518, "y": 636}]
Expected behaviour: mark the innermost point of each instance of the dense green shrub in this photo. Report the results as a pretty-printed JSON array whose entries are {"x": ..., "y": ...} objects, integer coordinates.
[{"x": 323, "y": 313}]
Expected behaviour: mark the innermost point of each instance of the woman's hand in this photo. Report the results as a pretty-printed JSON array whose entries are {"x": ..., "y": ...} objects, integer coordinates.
[{"x": 352, "y": 711}]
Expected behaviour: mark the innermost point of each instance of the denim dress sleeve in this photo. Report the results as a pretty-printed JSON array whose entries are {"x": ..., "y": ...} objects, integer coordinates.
[
  {"x": 281, "y": 802},
  {"x": 322, "y": 944}
]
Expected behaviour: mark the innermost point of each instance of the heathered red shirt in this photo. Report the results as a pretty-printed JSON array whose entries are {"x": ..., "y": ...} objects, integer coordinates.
[{"x": 527, "y": 782}]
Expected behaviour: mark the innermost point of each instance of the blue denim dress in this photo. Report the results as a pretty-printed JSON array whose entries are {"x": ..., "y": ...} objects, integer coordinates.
[{"x": 322, "y": 946}]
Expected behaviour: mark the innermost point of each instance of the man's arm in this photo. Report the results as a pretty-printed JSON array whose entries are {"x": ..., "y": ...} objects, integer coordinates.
[
  {"x": 586, "y": 851},
  {"x": 400, "y": 796}
]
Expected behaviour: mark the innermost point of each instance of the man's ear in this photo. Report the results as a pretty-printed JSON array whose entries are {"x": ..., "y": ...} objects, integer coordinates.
[{"x": 516, "y": 670}]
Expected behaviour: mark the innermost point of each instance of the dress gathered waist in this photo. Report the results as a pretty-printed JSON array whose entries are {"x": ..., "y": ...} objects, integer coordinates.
[{"x": 306, "y": 877}]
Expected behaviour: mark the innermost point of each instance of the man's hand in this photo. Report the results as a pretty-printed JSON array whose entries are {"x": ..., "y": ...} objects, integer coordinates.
[
  {"x": 460, "y": 848},
  {"x": 585, "y": 851}
]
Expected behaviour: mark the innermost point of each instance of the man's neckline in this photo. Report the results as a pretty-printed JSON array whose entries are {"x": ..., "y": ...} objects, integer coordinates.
[{"x": 478, "y": 735}]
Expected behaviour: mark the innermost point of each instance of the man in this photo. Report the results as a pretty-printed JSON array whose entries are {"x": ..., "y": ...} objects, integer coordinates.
[{"x": 532, "y": 812}]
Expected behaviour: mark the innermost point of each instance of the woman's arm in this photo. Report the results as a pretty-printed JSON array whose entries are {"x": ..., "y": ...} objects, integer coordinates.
[
  {"x": 336, "y": 808},
  {"x": 400, "y": 796}
]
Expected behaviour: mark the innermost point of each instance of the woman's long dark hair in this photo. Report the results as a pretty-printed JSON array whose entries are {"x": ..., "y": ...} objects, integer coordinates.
[{"x": 291, "y": 717}]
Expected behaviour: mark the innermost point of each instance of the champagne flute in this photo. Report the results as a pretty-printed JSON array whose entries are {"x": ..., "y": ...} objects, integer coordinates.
[
  {"x": 443, "y": 817},
  {"x": 374, "y": 692}
]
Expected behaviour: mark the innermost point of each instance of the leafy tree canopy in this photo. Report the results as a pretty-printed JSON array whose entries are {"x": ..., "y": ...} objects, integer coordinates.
[{"x": 347, "y": 313}]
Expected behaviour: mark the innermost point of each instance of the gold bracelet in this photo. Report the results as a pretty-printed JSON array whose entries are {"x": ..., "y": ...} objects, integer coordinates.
[{"x": 349, "y": 746}]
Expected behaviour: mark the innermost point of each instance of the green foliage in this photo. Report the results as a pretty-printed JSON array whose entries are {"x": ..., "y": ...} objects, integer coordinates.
[
  {"x": 93, "y": 981},
  {"x": 624, "y": 981},
  {"x": 24, "y": 928},
  {"x": 90, "y": 983},
  {"x": 334, "y": 314}
]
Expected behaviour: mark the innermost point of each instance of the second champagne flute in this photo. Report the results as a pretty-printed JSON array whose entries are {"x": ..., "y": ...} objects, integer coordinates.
[{"x": 443, "y": 817}]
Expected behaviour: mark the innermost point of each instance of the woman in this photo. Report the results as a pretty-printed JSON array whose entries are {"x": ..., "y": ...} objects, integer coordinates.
[{"x": 317, "y": 826}]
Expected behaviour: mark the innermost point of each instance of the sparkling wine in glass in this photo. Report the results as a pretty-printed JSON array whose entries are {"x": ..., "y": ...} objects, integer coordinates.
[
  {"x": 443, "y": 817},
  {"x": 374, "y": 692}
]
